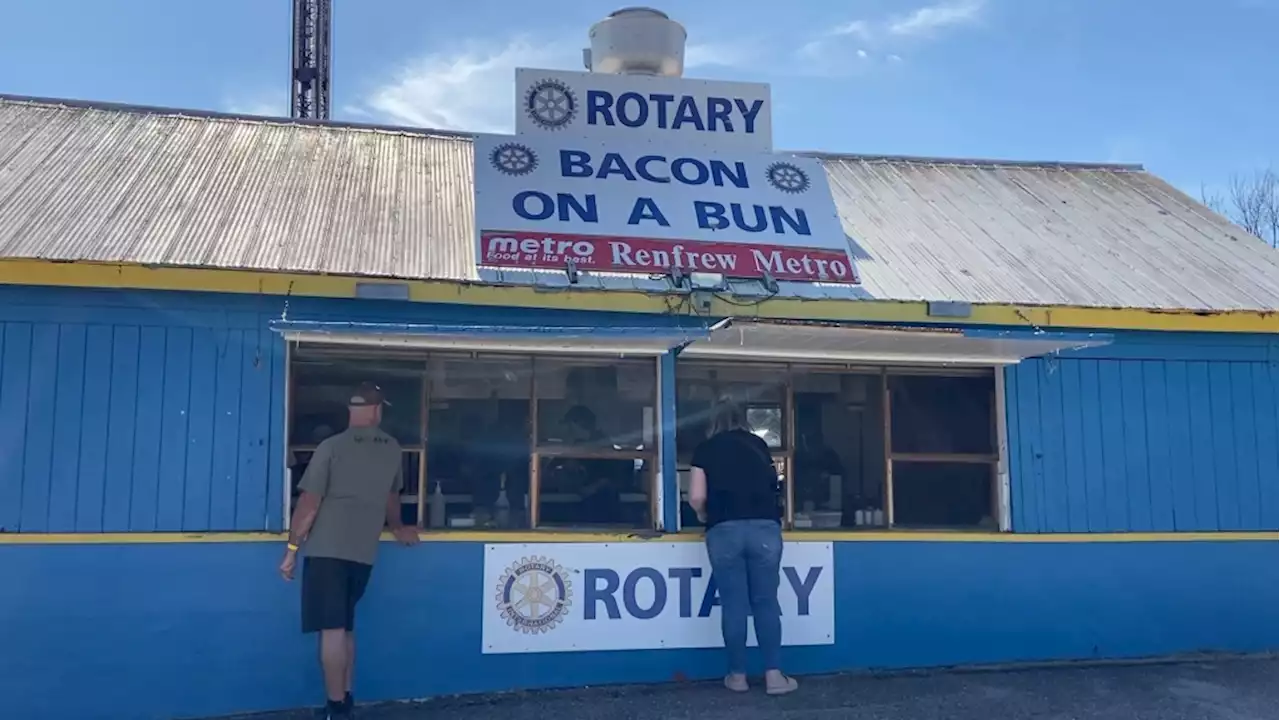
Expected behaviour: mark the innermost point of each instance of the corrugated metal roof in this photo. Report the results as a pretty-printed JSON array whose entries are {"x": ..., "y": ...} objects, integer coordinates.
[{"x": 164, "y": 187}]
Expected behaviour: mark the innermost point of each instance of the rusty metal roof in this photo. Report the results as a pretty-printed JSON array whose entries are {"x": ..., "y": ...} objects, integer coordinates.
[{"x": 92, "y": 182}]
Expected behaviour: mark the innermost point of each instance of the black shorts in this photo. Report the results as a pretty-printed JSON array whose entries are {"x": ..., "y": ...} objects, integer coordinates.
[{"x": 330, "y": 590}]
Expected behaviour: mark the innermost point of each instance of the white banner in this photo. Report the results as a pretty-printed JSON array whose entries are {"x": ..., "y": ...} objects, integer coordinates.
[
  {"x": 546, "y": 202},
  {"x": 562, "y": 597},
  {"x": 645, "y": 109}
]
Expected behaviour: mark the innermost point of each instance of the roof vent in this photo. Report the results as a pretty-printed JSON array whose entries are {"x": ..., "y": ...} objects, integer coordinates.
[{"x": 636, "y": 41}]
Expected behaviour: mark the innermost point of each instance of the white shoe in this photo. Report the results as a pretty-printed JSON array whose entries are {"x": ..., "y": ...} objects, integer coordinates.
[{"x": 783, "y": 686}]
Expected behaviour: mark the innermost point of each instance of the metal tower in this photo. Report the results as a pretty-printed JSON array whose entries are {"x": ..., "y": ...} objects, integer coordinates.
[{"x": 312, "y": 24}]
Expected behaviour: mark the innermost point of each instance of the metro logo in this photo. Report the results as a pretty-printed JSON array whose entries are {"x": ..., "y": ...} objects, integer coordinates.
[{"x": 503, "y": 245}]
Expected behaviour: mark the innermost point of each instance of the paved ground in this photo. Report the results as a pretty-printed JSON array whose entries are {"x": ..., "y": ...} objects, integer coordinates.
[{"x": 1218, "y": 690}]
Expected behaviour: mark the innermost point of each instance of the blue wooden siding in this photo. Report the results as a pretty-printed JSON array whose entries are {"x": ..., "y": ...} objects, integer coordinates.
[
  {"x": 163, "y": 411},
  {"x": 116, "y": 419},
  {"x": 1155, "y": 433},
  {"x": 137, "y": 411}
]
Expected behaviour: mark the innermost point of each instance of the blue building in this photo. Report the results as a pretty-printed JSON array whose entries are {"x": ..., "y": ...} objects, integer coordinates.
[{"x": 1044, "y": 427}]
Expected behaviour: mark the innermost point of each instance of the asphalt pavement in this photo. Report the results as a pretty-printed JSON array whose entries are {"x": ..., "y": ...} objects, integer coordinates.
[{"x": 1236, "y": 689}]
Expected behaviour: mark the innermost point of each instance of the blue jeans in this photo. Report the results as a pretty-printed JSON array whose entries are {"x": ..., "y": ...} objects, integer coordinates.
[{"x": 746, "y": 557}]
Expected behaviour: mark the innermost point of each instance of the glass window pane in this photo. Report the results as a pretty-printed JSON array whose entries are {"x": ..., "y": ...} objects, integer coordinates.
[
  {"x": 839, "y": 453},
  {"x": 933, "y": 414},
  {"x": 942, "y": 494},
  {"x": 601, "y": 492},
  {"x": 597, "y": 404},
  {"x": 478, "y": 442},
  {"x": 766, "y": 421},
  {"x": 321, "y": 388},
  {"x": 761, "y": 389}
]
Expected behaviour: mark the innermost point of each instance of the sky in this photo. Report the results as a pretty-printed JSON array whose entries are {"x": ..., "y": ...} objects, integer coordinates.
[{"x": 1188, "y": 88}]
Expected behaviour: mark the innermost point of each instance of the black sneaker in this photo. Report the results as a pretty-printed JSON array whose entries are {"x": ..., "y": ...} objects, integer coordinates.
[{"x": 334, "y": 713}]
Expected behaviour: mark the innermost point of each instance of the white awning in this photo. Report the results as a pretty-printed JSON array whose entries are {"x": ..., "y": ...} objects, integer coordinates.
[
  {"x": 778, "y": 342},
  {"x": 538, "y": 340}
]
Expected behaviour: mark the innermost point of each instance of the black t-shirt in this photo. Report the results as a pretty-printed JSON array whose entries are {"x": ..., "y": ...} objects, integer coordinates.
[{"x": 742, "y": 483}]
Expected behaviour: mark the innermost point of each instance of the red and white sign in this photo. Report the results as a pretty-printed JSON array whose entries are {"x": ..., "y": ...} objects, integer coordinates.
[
  {"x": 618, "y": 202},
  {"x": 529, "y": 250}
]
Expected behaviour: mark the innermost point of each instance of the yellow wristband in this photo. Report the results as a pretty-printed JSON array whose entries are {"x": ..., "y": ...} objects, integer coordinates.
[{"x": 292, "y": 547}]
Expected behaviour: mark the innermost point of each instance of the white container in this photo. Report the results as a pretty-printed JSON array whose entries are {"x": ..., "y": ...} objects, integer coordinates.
[
  {"x": 502, "y": 506},
  {"x": 437, "y": 507},
  {"x": 637, "y": 41}
]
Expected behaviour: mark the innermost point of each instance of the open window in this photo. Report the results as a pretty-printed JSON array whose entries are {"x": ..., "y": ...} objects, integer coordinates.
[
  {"x": 942, "y": 450},
  {"x": 320, "y": 385},
  {"x": 858, "y": 447},
  {"x": 882, "y": 427},
  {"x": 495, "y": 440},
  {"x": 763, "y": 392}
]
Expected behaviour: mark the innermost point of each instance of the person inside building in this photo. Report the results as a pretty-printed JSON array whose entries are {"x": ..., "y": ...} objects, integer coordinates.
[
  {"x": 602, "y": 480},
  {"x": 733, "y": 488},
  {"x": 351, "y": 488}
]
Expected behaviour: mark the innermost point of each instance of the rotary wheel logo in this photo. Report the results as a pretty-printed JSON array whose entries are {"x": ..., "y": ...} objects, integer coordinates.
[
  {"x": 551, "y": 104},
  {"x": 534, "y": 595},
  {"x": 513, "y": 159},
  {"x": 788, "y": 178}
]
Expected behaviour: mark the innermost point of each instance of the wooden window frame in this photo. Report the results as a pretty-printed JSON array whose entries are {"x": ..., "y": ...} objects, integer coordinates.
[
  {"x": 994, "y": 460},
  {"x": 538, "y": 451}
]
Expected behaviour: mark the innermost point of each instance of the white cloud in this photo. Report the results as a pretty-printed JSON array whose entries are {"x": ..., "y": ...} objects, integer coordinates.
[
  {"x": 927, "y": 20},
  {"x": 264, "y": 103},
  {"x": 699, "y": 55},
  {"x": 831, "y": 53},
  {"x": 855, "y": 28},
  {"x": 473, "y": 87}
]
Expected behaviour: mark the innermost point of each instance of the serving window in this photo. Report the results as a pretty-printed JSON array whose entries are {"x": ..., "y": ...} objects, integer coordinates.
[
  {"x": 859, "y": 447},
  {"x": 762, "y": 391},
  {"x": 493, "y": 440}
]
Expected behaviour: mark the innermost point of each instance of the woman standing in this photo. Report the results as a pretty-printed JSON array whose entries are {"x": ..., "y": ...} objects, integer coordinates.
[{"x": 734, "y": 490}]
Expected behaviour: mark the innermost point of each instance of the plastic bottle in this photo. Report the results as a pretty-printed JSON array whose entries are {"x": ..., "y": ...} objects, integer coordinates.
[
  {"x": 502, "y": 506},
  {"x": 437, "y": 507}
]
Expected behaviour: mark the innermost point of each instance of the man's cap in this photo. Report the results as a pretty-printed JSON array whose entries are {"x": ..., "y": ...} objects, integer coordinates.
[{"x": 367, "y": 394}]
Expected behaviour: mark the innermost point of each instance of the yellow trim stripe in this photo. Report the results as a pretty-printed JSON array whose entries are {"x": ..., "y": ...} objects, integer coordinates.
[
  {"x": 97, "y": 275},
  {"x": 597, "y": 537}
]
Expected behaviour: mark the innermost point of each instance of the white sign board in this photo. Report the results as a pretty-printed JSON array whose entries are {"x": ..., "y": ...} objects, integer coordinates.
[
  {"x": 564, "y": 597},
  {"x": 644, "y": 109},
  {"x": 546, "y": 202}
]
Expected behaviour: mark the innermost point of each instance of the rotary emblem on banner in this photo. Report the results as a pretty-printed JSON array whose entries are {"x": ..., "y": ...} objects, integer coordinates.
[
  {"x": 534, "y": 595},
  {"x": 551, "y": 104},
  {"x": 787, "y": 177},
  {"x": 513, "y": 159}
]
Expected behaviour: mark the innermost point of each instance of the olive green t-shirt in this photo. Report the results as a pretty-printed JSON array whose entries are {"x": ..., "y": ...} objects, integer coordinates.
[{"x": 353, "y": 472}]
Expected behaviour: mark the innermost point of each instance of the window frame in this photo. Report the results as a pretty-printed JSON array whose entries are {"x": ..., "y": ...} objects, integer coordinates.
[
  {"x": 651, "y": 453},
  {"x": 784, "y": 458},
  {"x": 994, "y": 460}
]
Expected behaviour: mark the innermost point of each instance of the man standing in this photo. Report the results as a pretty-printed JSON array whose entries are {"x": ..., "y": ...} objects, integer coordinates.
[{"x": 350, "y": 489}]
